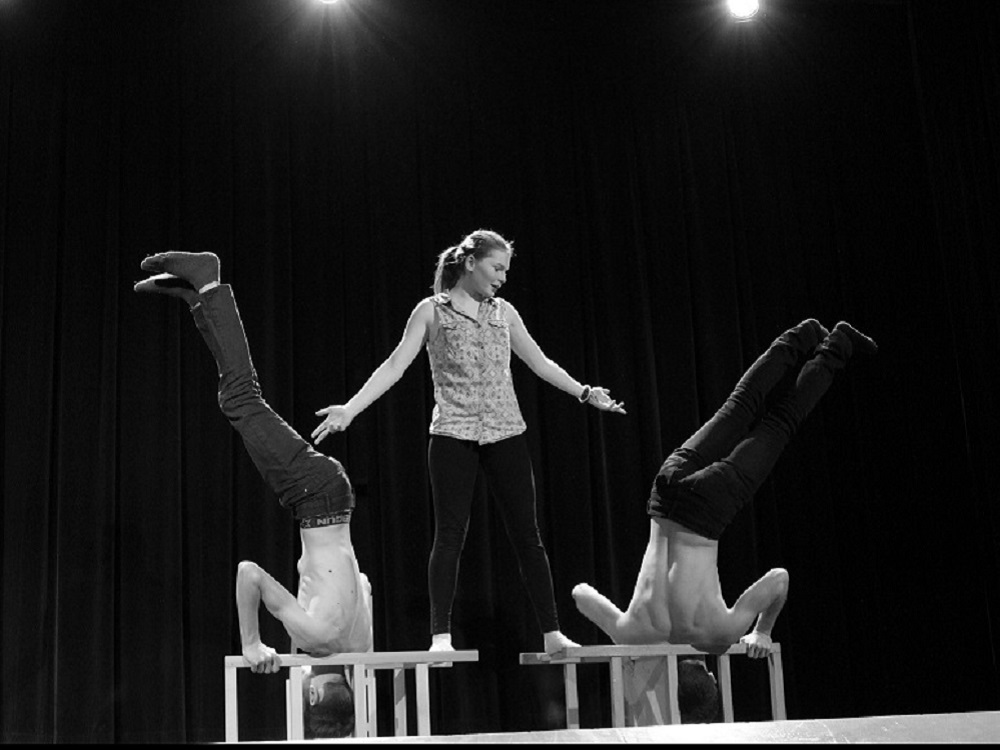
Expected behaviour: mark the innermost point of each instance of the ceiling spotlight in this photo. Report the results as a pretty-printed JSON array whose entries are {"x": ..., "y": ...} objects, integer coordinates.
[{"x": 743, "y": 10}]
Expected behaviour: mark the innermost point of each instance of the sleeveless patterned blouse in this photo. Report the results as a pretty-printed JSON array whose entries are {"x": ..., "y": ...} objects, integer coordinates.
[{"x": 474, "y": 395}]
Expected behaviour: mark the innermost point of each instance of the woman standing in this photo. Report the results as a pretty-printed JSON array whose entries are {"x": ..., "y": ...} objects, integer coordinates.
[{"x": 469, "y": 333}]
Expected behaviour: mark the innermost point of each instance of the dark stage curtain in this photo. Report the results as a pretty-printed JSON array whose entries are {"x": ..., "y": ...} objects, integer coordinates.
[{"x": 679, "y": 189}]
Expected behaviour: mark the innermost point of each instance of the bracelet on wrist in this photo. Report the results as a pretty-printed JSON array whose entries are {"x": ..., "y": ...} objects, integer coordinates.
[{"x": 585, "y": 394}]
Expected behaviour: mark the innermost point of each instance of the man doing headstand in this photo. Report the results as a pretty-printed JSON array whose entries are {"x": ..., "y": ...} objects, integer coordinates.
[
  {"x": 331, "y": 613},
  {"x": 700, "y": 488}
]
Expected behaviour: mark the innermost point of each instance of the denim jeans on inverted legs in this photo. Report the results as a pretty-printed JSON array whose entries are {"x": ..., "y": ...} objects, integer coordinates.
[
  {"x": 306, "y": 481},
  {"x": 754, "y": 457},
  {"x": 720, "y": 434},
  {"x": 718, "y": 469}
]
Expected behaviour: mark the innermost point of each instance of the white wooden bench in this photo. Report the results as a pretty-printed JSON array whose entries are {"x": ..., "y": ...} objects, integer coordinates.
[
  {"x": 364, "y": 665},
  {"x": 644, "y": 681}
]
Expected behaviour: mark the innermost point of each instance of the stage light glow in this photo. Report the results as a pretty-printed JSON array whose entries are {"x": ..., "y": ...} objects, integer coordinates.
[{"x": 743, "y": 10}]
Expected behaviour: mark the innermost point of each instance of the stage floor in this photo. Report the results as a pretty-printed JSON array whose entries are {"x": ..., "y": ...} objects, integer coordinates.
[{"x": 935, "y": 728}]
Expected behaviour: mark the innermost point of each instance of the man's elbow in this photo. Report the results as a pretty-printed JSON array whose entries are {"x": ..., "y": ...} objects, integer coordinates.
[
  {"x": 247, "y": 573},
  {"x": 780, "y": 578}
]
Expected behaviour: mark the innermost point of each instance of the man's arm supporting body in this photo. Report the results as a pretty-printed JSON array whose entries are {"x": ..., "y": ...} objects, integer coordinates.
[
  {"x": 764, "y": 600},
  {"x": 253, "y": 586},
  {"x": 330, "y": 615}
]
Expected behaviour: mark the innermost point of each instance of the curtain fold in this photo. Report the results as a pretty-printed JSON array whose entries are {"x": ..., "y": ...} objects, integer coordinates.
[{"x": 679, "y": 191}]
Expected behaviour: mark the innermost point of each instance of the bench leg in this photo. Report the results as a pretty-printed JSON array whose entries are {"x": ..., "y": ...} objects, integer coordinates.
[
  {"x": 361, "y": 715},
  {"x": 296, "y": 730},
  {"x": 232, "y": 713},
  {"x": 423, "y": 702},
  {"x": 399, "y": 701},
  {"x": 645, "y": 691},
  {"x": 673, "y": 688},
  {"x": 370, "y": 683},
  {"x": 777, "y": 686},
  {"x": 617, "y": 692},
  {"x": 572, "y": 697},
  {"x": 726, "y": 688}
]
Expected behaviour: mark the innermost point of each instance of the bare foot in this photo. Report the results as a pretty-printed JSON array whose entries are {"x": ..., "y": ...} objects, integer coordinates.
[
  {"x": 555, "y": 642},
  {"x": 197, "y": 268},
  {"x": 166, "y": 283},
  {"x": 441, "y": 642}
]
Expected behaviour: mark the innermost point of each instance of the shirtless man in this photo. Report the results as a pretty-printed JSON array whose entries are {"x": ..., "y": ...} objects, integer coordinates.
[
  {"x": 701, "y": 487},
  {"x": 331, "y": 613}
]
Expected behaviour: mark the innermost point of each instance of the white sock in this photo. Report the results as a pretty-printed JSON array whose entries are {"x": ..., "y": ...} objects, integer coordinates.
[{"x": 209, "y": 285}]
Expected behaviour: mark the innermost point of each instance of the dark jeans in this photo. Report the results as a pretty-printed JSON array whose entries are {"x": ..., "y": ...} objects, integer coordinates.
[
  {"x": 705, "y": 482},
  {"x": 306, "y": 481},
  {"x": 454, "y": 465}
]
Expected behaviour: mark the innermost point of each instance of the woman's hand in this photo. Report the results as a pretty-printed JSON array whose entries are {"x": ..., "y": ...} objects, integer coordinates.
[
  {"x": 336, "y": 419},
  {"x": 601, "y": 398}
]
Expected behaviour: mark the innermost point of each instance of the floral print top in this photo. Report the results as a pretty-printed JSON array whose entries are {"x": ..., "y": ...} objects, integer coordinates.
[{"x": 474, "y": 395}]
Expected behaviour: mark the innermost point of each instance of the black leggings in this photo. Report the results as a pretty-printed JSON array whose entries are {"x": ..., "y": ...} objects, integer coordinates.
[{"x": 454, "y": 465}]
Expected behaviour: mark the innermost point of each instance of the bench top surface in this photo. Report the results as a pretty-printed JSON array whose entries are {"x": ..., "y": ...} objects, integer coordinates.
[
  {"x": 606, "y": 653},
  {"x": 370, "y": 658}
]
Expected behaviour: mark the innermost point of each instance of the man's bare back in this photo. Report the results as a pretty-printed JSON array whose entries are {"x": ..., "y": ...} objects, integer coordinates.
[
  {"x": 334, "y": 592},
  {"x": 686, "y": 605},
  {"x": 331, "y": 613}
]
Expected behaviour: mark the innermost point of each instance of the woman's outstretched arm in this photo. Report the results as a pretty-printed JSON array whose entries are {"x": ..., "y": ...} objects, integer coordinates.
[
  {"x": 336, "y": 418},
  {"x": 525, "y": 347}
]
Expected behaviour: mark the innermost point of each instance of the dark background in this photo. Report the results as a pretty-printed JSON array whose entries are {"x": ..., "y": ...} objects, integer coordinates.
[{"x": 679, "y": 189}]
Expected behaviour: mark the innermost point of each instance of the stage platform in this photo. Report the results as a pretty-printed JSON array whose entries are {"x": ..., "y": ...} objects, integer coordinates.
[{"x": 935, "y": 728}]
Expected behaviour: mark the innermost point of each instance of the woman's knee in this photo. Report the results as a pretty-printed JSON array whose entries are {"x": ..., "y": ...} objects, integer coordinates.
[
  {"x": 448, "y": 538},
  {"x": 528, "y": 544}
]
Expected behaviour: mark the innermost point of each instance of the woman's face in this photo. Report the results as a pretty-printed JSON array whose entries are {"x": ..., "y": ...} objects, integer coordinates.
[{"x": 486, "y": 275}]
